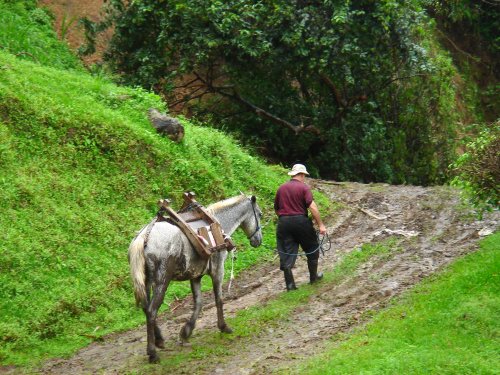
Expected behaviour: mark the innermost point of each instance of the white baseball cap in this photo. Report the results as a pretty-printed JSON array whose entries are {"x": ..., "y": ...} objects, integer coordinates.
[{"x": 298, "y": 168}]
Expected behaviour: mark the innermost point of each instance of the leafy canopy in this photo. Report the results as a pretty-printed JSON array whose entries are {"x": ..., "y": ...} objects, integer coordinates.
[{"x": 350, "y": 79}]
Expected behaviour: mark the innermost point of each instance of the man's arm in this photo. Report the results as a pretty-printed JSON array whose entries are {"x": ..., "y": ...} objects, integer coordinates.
[
  {"x": 317, "y": 217},
  {"x": 277, "y": 202}
]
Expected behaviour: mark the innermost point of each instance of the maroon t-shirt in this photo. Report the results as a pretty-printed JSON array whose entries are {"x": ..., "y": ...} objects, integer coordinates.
[{"x": 292, "y": 198}]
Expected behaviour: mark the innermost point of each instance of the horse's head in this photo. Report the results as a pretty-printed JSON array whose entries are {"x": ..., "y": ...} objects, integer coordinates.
[{"x": 251, "y": 224}]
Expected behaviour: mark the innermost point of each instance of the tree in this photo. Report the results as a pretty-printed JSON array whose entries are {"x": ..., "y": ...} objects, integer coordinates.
[{"x": 319, "y": 81}]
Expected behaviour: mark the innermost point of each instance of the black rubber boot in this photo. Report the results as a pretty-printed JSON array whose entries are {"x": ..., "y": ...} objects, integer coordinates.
[
  {"x": 313, "y": 271},
  {"x": 289, "y": 281}
]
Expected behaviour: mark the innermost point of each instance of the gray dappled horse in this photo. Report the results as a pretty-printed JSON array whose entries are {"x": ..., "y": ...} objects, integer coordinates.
[{"x": 168, "y": 255}]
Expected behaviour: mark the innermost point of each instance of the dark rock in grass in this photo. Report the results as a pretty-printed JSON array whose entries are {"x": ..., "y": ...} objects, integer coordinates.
[{"x": 166, "y": 125}]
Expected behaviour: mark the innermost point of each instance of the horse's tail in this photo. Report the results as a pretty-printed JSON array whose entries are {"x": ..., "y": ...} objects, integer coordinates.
[{"x": 137, "y": 263}]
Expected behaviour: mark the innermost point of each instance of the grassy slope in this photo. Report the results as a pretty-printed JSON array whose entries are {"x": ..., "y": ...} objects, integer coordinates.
[
  {"x": 27, "y": 32},
  {"x": 81, "y": 171},
  {"x": 447, "y": 325}
]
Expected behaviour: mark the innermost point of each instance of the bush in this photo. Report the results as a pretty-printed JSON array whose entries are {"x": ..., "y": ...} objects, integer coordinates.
[{"x": 478, "y": 169}]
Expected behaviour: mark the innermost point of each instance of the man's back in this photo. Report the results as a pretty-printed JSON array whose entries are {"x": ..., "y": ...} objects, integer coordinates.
[{"x": 292, "y": 198}]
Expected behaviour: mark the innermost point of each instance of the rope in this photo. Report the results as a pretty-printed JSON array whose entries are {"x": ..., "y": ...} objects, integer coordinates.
[
  {"x": 322, "y": 246},
  {"x": 189, "y": 207},
  {"x": 231, "y": 278}
]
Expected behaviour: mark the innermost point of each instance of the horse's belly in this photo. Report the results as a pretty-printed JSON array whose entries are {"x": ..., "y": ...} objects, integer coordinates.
[{"x": 189, "y": 272}]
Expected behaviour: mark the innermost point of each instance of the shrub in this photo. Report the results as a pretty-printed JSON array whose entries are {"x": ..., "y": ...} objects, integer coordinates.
[{"x": 478, "y": 169}]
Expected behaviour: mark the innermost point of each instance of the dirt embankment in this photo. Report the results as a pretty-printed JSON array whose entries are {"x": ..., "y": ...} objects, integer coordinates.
[
  {"x": 67, "y": 14},
  {"x": 432, "y": 229}
]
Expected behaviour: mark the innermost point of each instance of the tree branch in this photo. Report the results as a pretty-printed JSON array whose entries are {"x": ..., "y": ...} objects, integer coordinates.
[
  {"x": 188, "y": 98},
  {"x": 269, "y": 116},
  {"x": 476, "y": 59},
  {"x": 259, "y": 111},
  {"x": 187, "y": 83},
  {"x": 335, "y": 91}
]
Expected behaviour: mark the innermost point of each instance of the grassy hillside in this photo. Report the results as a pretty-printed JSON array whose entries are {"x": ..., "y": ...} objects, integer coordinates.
[
  {"x": 81, "y": 171},
  {"x": 446, "y": 325}
]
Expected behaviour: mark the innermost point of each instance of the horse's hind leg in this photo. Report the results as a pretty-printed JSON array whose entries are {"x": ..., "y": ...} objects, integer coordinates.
[
  {"x": 188, "y": 328},
  {"x": 154, "y": 334},
  {"x": 159, "y": 341}
]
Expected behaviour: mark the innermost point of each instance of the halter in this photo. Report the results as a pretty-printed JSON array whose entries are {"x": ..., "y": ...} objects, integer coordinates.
[{"x": 256, "y": 221}]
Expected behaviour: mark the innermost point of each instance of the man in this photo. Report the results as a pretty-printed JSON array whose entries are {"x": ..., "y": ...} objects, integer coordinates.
[{"x": 291, "y": 203}]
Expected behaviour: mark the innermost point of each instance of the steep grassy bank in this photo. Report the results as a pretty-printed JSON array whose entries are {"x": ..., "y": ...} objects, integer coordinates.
[{"x": 81, "y": 171}]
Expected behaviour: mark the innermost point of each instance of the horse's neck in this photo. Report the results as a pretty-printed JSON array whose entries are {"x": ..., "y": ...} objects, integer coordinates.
[{"x": 231, "y": 216}]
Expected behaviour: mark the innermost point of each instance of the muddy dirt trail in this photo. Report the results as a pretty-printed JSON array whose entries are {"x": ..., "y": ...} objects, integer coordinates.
[{"x": 432, "y": 229}]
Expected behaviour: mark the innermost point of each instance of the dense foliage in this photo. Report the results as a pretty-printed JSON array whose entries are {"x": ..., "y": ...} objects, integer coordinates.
[
  {"x": 469, "y": 30},
  {"x": 480, "y": 18},
  {"x": 358, "y": 90}
]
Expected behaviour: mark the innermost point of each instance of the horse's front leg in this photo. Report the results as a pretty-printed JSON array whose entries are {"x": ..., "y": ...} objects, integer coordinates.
[
  {"x": 217, "y": 278},
  {"x": 188, "y": 328}
]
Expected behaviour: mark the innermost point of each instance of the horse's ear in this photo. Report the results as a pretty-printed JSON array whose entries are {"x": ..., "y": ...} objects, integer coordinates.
[{"x": 254, "y": 199}]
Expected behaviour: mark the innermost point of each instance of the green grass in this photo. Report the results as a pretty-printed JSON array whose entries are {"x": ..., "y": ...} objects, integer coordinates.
[
  {"x": 81, "y": 171},
  {"x": 27, "y": 32},
  {"x": 249, "y": 323},
  {"x": 449, "y": 324}
]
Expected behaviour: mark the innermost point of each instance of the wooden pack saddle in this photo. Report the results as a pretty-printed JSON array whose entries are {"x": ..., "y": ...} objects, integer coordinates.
[{"x": 200, "y": 226}]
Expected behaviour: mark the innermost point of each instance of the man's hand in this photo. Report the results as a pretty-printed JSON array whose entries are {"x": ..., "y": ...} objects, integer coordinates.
[
  {"x": 322, "y": 229},
  {"x": 317, "y": 217}
]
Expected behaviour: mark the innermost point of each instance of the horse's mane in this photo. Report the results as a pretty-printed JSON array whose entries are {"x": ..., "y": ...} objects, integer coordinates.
[{"x": 226, "y": 203}]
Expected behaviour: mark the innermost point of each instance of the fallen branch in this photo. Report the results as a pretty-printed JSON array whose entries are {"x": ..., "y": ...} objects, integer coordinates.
[
  {"x": 323, "y": 182},
  {"x": 401, "y": 232},
  {"x": 372, "y": 214}
]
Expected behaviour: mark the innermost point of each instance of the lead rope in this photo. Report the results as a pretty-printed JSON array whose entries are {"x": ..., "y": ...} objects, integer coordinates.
[
  {"x": 231, "y": 278},
  {"x": 324, "y": 244},
  {"x": 233, "y": 255}
]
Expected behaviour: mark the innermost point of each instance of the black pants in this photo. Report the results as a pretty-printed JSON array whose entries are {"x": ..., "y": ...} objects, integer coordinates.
[{"x": 291, "y": 232}]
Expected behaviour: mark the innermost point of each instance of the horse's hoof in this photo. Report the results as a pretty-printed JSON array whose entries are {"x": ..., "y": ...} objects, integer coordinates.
[
  {"x": 186, "y": 331},
  {"x": 184, "y": 343},
  {"x": 226, "y": 329},
  {"x": 160, "y": 344},
  {"x": 154, "y": 358}
]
